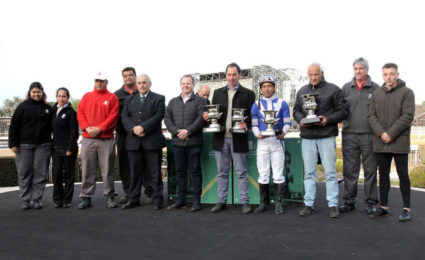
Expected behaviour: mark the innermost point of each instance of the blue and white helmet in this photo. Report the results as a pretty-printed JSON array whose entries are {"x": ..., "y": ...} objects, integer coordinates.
[{"x": 267, "y": 78}]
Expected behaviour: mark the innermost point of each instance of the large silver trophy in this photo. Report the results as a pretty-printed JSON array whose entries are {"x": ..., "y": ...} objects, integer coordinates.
[
  {"x": 214, "y": 115},
  {"x": 238, "y": 117},
  {"x": 270, "y": 120},
  {"x": 310, "y": 105}
]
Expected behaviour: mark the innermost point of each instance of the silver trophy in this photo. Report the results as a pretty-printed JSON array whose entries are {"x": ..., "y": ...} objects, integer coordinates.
[
  {"x": 238, "y": 117},
  {"x": 270, "y": 120},
  {"x": 214, "y": 115},
  {"x": 310, "y": 105}
]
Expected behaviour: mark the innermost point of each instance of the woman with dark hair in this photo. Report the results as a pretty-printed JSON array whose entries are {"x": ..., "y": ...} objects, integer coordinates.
[
  {"x": 29, "y": 138},
  {"x": 65, "y": 149}
]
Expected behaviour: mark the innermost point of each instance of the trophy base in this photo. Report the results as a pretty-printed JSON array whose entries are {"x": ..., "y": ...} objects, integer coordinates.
[
  {"x": 268, "y": 133},
  {"x": 312, "y": 120},
  {"x": 238, "y": 131},
  {"x": 214, "y": 129}
]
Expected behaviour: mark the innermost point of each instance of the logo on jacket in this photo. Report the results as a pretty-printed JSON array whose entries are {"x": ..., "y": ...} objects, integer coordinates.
[
  {"x": 63, "y": 116},
  {"x": 105, "y": 102},
  {"x": 47, "y": 111}
]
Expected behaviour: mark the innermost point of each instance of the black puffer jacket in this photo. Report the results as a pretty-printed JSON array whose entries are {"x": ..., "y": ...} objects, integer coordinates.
[
  {"x": 330, "y": 103},
  {"x": 65, "y": 129},
  {"x": 31, "y": 123},
  {"x": 179, "y": 115}
]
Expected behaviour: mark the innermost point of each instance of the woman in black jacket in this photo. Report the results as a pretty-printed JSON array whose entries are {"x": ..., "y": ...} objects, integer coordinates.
[
  {"x": 29, "y": 138},
  {"x": 65, "y": 149}
]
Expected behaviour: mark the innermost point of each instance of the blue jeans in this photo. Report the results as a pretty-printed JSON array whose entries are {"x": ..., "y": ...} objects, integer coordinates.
[
  {"x": 326, "y": 148},
  {"x": 184, "y": 158}
]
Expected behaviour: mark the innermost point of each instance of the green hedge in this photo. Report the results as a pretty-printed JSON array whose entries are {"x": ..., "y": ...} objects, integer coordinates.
[
  {"x": 8, "y": 176},
  {"x": 417, "y": 176}
]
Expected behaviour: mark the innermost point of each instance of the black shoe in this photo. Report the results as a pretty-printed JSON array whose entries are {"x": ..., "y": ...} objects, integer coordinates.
[
  {"x": 131, "y": 204},
  {"x": 196, "y": 206},
  {"x": 85, "y": 204},
  {"x": 306, "y": 211},
  {"x": 58, "y": 204},
  {"x": 261, "y": 208},
  {"x": 278, "y": 209},
  {"x": 347, "y": 207},
  {"x": 67, "y": 205},
  {"x": 371, "y": 208},
  {"x": 405, "y": 216},
  {"x": 177, "y": 205},
  {"x": 379, "y": 213},
  {"x": 218, "y": 207},
  {"x": 333, "y": 212},
  {"x": 38, "y": 204},
  {"x": 26, "y": 205},
  {"x": 246, "y": 208}
]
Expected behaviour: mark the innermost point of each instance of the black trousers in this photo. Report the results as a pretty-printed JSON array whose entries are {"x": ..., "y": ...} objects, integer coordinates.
[
  {"x": 63, "y": 171},
  {"x": 358, "y": 148},
  {"x": 401, "y": 163},
  {"x": 146, "y": 164},
  {"x": 188, "y": 158},
  {"x": 124, "y": 166}
]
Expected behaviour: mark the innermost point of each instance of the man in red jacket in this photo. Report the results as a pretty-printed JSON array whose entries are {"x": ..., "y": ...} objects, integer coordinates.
[{"x": 97, "y": 117}]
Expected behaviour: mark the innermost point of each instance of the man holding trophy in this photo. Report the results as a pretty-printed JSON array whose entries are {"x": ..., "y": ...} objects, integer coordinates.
[
  {"x": 318, "y": 135},
  {"x": 270, "y": 123},
  {"x": 233, "y": 101}
]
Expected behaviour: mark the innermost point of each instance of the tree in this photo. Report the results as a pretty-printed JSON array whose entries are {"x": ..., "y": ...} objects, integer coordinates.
[
  {"x": 75, "y": 103},
  {"x": 423, "y": 103},
  {"x": 9, "y": 106}
]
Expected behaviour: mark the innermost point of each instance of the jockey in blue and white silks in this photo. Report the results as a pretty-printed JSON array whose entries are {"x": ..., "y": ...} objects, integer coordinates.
[{"x": 270, "y": 149}]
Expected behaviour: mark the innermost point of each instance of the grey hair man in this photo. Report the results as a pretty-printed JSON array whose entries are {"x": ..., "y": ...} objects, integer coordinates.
[
  {"x": 204, "y": 92},
  {"x": 357, "y": 139},
  {"x": 319, "y": 138}
]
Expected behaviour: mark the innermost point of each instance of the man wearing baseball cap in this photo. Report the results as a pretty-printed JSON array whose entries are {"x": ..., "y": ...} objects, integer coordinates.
[
  {"x": 270, "y": 148},
  {"x": 97, "y": 116}
]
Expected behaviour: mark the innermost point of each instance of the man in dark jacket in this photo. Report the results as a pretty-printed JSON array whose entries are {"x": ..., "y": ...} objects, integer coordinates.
[
  {"x": 141, "y": 117},
  {"x": 236, "y": 144},
  {"x": 128, "y": 89},
  {"x": 357, "y": 139},
  {"x": 319, "y": 138},
  {"x": 183, "y": 118},
  {"x": 391, "y": 113}
]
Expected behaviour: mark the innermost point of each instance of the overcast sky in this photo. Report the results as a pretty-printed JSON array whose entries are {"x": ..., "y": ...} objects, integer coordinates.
[{"x": 65, "y": 43}]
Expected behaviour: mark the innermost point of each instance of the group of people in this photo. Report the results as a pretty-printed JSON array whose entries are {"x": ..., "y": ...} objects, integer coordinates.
[{"x": 376, "y": 127}]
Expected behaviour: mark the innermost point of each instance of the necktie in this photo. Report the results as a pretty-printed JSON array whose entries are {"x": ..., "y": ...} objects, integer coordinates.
[{"x": 143, "y": 99}]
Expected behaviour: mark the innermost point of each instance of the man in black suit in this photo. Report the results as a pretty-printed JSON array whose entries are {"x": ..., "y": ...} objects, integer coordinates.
[
  {"x": 141, "y": 117},
  {"x": 128, "y": 89}
]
